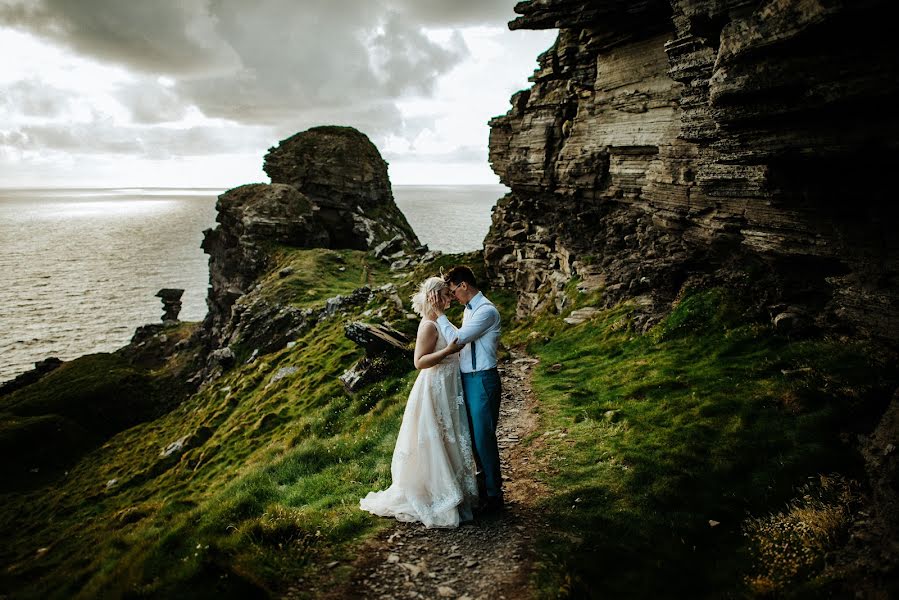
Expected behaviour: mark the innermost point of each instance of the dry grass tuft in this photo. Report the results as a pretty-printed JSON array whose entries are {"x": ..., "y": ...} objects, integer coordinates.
[{"x": 789, "y": 547}]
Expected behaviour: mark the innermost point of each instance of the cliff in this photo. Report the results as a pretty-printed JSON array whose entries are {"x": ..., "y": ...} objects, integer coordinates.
[
  {"x": 329, "y": 189},
  {"x": 668, "y": 144}
]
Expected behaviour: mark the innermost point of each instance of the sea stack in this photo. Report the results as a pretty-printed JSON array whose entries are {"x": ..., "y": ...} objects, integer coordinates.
[{"x": 171, "y": 303}]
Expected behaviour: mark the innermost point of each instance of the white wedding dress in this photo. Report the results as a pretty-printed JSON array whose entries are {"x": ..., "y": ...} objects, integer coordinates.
[{"x": 433, "y": 467}]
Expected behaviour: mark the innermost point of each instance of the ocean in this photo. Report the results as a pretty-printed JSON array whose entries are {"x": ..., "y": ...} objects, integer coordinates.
[{"x": 82, "y": 265}]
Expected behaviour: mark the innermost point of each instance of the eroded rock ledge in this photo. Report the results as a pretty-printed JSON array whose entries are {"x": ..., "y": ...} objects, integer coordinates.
[{"x": 668, "y": 142}]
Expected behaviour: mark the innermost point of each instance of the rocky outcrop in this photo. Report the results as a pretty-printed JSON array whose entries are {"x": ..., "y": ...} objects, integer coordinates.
[
  {"x": 666, "y": 143},
  {"x": 329, "y": 190},
  {"x": 171, "y": 303},
  {"x": 252, "y": 219},
  {"x": 384, "y": 346},
  {"x": 41, "y": 368},
  {"x": 344, "y": 176}
]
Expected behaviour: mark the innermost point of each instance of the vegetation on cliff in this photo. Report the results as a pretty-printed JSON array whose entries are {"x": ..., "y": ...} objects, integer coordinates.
[
  {"x": 666, "y": 452},
  {"x": 663, "y": 453}
]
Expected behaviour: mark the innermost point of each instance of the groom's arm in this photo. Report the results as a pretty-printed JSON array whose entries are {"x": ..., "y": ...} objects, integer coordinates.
[
  {"x": 476, "y": 325},
  {"x": 448, "y": 330}
]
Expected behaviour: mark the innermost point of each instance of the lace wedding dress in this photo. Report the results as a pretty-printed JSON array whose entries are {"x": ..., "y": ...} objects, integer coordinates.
[{"x": 433, "y": 466}]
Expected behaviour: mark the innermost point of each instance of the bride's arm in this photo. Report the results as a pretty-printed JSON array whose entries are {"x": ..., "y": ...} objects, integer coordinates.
[{"x": 425, "y": 342}]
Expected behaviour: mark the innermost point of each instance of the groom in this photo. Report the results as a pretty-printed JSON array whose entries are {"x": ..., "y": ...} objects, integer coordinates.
[{"x": 480, "y": 380}]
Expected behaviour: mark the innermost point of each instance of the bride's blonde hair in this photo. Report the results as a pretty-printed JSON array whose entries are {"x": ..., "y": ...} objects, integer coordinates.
[{"x": 420, "y": 302}]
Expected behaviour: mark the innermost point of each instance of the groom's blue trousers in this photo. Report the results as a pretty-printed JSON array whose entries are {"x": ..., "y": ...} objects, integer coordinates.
[{"x": 482, "y": 390}]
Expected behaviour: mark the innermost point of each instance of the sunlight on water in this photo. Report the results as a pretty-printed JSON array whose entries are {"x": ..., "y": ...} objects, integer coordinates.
[
  {"x": 82, "y": 267},
  {"x": 107, "y": 209}
]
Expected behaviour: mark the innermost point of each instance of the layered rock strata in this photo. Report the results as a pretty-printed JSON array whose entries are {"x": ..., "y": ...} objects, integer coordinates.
[
  {"x": 729, "y": 140},
  {"x": 171, "y": 303}
]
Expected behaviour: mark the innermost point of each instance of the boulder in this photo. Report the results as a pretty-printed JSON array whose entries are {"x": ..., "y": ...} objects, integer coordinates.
[{"x": 383, "y": 347}]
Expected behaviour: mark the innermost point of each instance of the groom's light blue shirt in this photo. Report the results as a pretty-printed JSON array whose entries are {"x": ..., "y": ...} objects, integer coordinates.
[{"x": 479, "y": 332}]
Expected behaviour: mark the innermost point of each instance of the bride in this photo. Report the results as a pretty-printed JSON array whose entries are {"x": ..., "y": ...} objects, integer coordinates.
[{"x": 433, "y": 467}]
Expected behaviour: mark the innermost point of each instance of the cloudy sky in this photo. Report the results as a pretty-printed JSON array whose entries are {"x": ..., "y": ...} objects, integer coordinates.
[{"x": 193, "y": 92}]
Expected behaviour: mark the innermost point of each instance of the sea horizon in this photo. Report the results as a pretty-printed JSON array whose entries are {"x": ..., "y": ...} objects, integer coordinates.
[{"x": 84, "y": 263}]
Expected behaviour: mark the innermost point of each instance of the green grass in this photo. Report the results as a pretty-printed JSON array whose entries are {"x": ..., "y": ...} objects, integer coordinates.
[
  {"x": 268, "y": 486},
  {"x": 320, "y": 273},
  {"x": 48, "y": 425},
  {"x": 650, "y": 437},
  {"x": 291, "y": 450},
  {"x": 643, "y": 439}
]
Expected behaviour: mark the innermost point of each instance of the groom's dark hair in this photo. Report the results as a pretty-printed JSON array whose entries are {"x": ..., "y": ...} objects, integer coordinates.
[{"x": 461, "y": 274}]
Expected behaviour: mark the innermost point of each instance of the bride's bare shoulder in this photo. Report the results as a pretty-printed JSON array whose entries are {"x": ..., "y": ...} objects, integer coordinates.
[{"x": 427, "y": 326}]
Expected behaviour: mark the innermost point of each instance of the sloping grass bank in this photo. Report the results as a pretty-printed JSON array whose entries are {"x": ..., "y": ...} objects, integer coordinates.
[
  {"x": 250, "y": 487},
  {"x": 660, "y": 448},
  {"x": 263, "y": 485}
]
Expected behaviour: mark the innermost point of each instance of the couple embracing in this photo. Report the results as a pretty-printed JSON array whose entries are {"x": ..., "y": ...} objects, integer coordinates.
[{"x": 447, "y": 445}]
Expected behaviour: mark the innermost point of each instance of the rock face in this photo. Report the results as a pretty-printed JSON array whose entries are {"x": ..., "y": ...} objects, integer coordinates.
[
  {"x": 343, "y": 174},
  {"x": 383, "y": 346},
  {"x": 665, "y": 143},
  {"x": 171, "y": 303},
  {"x": 329, "y": 190},
  {"x": 251, "y": 218}
]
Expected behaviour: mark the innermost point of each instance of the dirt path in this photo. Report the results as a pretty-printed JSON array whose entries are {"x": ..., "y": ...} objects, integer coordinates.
[{"x": 490, "y": 558}]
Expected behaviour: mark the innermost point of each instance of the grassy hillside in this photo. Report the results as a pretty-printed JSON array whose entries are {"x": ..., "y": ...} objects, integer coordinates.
[
  {"x": 706, "y": 458},
  {"x": 275, "y": 457},
  {"x": 643, "y": 440}
]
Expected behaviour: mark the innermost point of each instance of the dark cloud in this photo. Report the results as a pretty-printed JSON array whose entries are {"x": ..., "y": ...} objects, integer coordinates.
[
  {"x": 256, "y": 65},
  {"x": 327, "y": 54},
  {"x": 457, "y": 13},
  {"x": 408, "y": 61},
  {"x": 264, "y": 70},
  {"x": 165, "y": 36}
]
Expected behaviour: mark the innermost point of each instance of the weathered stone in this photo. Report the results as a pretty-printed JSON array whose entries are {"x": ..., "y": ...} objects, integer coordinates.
[
  {"x": 580, "y": 315},
  {"x": 251, "y": 218},
  {"x": 329, "y": 189},
  {"x": 382, "y": 345},
  {"x": 41, "y": 368},
  {"x": 665, "y": 142},
  {"x": 377, "y": 339},
  {"x": 223, "y": 356},
  {"x": 282, "y": 373},
  {"x": 171, "y": 304},
  {"x": 175, "y": 447},
  {"x": 388, "y": 247},
  {"x": 399, "y": 265},
  {"x": 343, "y": 174},
  {"x": 791, "y": 321}
]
